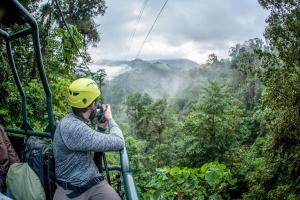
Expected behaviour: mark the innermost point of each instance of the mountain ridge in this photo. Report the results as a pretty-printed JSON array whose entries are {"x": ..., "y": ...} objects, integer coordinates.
[{"x": 172, "y": 63}]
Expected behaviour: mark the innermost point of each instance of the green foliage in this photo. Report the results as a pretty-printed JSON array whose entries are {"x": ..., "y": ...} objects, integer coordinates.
[
  {"x": 212, "y": 127},
  {"x": 61, "y": 45},
  {"x": 212, "y": 181},
  {"x": 149, "y": 118},
  {"x": 61, "y": 65},
  {"x": 249, "y": 119},
  {"x": 281, "y": 97},
  {"x": 135, "y": 109},
  {"x": 212, "y": 59},
  {"x": 245, "y": 85},
  {"x": 138, "y": 158},
  {"x": 81, "y": 13},
  {"x": 260, "y": 143},
  {"x": 283, "y": 29},
  {"x": 283, "y": 76},
  {"x": 59, "y": 88}
]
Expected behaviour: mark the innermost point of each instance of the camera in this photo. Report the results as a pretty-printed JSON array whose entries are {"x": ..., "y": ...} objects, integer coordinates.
[{"x": 100, "y": 115}]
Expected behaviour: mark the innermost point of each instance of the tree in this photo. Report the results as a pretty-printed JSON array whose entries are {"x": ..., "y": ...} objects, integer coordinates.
[
  {"x": 153, "y": 121},
  {"x": 81, "y": 13},
  {"x": 282, "y": 78},
  {"x": 78, "y": 13},
  {"x": 212, "y": 59},
  {"x": 61, "y": 65},
  {"x": 281, "y": 97},
  {"x": 283, "y": 29},
  {"x": 99, "y": 77},
  {"x": 136, "y": 109},
  {"x": 245, "y": 62},
  {"x": 212, "y": 127}
]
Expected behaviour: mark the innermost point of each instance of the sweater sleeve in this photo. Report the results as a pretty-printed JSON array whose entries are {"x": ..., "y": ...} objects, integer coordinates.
[{"x": 78, "y": 136}]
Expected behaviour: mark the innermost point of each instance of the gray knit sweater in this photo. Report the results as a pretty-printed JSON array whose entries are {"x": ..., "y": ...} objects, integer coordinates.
[{"x": 74, "y": 143}]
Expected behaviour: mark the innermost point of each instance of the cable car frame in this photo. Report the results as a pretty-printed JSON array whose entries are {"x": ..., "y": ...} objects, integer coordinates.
[{"x": 14, "y": 13}]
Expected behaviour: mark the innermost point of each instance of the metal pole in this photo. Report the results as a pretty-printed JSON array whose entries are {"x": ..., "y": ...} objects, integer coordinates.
[
  {"x": 26, "y": 125},
  {"x": 38, "y": 55},
  {"x": 20, "y": 34},
  {"x": 106, "y": 168},
  {"x": 130, "y": 188},
  {"x": 27, "y": 133}
]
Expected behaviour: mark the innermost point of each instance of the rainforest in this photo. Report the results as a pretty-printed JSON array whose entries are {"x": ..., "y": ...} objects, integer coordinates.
[{"x": 228, "y": 128}]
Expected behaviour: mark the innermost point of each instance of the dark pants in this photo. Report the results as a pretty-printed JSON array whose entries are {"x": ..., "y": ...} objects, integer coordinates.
[
  {"x": 100, "y": 191},
  {"x": 3, "y": 184}
]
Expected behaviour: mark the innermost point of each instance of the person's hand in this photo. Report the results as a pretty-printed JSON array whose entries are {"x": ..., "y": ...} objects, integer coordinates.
[
  {"x": 107, "y": 113},
  {"x": 102, "y": 125}
]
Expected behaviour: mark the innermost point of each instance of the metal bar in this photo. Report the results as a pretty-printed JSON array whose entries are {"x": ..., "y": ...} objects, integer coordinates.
[
  {"x": 28, "y": 132},
  {"x": 129, "y": 185},
  {"x": 20, "y": 34},
  {"x": 114, "y": 168},
  {"x": 105, "y": 168},
  {"x": 19, "y": 85},
  {"x": 36, "y": 43},
  {"x": 3, "y": 34},
  {"x": 24, "y": 12},
  {"x": 38, "y": 55}
]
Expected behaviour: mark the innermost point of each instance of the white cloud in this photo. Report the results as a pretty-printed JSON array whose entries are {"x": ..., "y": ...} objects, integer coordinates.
[
  {"x": 111, "y": 71},
  {"x": 186, "y": 29}
]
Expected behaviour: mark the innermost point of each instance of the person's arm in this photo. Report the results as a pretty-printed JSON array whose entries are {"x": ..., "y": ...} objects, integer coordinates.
[{"x": 78, "y": 136}]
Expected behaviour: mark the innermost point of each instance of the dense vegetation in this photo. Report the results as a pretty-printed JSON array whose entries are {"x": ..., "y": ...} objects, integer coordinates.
[{"x": 237, "y": 137}]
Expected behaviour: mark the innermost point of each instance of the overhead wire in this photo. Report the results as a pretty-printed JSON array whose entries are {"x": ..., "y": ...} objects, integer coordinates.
[
  {"x": 138, "y": 21},
  {"x": 71, "y": 36},
  {"x": 150, "y": 30}
]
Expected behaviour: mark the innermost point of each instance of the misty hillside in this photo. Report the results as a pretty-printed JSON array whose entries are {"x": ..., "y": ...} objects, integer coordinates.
[
  {"x": 159, "y": 78},
  {"x": 180, "y": 64}
]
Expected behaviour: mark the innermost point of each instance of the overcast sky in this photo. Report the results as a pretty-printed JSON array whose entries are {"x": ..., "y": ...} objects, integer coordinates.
[{"x": 186, "y": 29}]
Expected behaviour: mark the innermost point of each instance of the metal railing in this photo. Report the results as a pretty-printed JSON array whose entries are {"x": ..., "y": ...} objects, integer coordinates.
[{"x": 34, "y": 31}]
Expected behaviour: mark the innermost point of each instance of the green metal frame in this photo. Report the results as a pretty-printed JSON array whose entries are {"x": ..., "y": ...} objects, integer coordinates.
[
  {"x": 129, "y": 184},
  {"x": 34, "y": 31}
]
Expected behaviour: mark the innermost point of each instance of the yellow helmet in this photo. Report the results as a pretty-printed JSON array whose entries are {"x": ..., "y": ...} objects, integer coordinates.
[{"x": 82, "y": 92}]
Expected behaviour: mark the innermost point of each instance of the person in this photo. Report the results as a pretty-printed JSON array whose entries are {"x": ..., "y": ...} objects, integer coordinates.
[
  {"x": 77, "y": 176},
  {"x": 8, "y": 156}
]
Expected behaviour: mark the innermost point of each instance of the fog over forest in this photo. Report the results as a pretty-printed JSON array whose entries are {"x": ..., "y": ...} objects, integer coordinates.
[{"x": 159, "y": 78}]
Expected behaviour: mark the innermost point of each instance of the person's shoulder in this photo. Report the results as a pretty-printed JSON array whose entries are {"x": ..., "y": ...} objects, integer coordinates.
[
  {"x": 70, "y": 119},
  {"x": 71, "y": 116},
  {"x": 69, "y": 125}
]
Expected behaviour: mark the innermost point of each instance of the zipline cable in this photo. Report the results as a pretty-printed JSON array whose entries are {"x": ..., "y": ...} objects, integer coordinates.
[
  {"x": 137, "y": 22},
  {"x": 150, "y": 30},
  {"x": 71, "y": 36}
]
